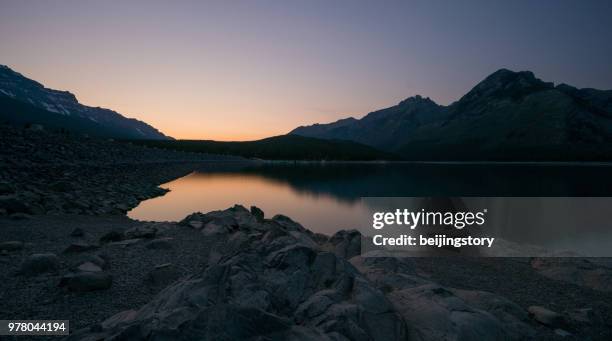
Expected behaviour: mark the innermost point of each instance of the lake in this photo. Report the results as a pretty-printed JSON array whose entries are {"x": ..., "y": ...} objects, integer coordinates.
[{"x": 326, "y": 197}]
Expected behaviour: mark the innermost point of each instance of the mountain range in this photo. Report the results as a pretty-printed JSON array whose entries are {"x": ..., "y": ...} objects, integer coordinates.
[
  {"x": 25, "y": 101},
  {"x": 508, "y": 116}
]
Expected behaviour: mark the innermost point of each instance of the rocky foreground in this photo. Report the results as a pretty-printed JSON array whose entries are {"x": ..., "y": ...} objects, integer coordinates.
[
  {"x": 234, "y": 275},
  {"x": 237, "y": 275}
]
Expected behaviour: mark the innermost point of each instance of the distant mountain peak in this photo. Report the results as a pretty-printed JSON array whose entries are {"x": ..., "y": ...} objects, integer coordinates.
[
  {"x": 417, "y": 100},
  {"x": 508, "y": 83},
  {"x": 505, "y": 78},
  {"x": 346, "y": 120}
]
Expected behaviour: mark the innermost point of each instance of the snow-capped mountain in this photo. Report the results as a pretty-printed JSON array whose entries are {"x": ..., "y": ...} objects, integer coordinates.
[{"x": 23, "y": 100}]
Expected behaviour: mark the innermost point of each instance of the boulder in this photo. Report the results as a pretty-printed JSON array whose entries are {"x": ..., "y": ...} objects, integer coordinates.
[
  {"x": 271, "y": 282},
  {"x": 436, "y": 312},
  {"x": 288, "y": 223},
  {"x": 346, "y": 244},
  {"x": 212, "y": 229},
  {"x": 221, "y": 222},
  {"x": 40, "y": 263}
]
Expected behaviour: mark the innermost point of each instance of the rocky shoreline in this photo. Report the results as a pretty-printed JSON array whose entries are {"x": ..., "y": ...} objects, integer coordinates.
[
  {"x": 236, "y": 274},
  {"x": 49, "y": 173}
]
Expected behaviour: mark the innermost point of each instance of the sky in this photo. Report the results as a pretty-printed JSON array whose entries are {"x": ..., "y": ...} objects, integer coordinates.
[{"x": 243, "y": 70}]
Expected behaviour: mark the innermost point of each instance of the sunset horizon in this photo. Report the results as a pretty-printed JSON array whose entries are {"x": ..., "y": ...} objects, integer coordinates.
[{"x": 193, "y": 73}]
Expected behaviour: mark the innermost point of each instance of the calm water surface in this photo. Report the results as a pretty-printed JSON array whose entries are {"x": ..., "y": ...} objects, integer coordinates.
[{"x": 326, "y": 197}]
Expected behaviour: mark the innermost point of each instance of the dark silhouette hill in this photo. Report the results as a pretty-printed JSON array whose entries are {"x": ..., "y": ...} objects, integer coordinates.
[
  {"x": 284, "y": 147},
  {"x": 508, "y": 116}
]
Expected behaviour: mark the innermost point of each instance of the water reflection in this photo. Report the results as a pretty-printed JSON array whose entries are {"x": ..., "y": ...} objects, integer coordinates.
[
  {"x": 205, "y": 192},
  {"x": 326, "y": 197}
]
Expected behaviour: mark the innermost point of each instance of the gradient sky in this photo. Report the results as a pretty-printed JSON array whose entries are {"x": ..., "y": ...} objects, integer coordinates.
[{"x": 239, "y": 70}]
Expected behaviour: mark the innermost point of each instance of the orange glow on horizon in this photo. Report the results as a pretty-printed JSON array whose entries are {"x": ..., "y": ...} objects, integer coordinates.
[{"x": 227, "y": 137}]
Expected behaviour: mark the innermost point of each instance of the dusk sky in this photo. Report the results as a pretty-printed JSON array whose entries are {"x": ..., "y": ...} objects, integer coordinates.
[{"x": 239, "y": 70}]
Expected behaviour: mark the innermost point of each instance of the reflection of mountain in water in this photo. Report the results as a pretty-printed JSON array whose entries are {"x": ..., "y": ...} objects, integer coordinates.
[
  {"x": 327, "y": 197},
  {"x": 351, "y": 181}
]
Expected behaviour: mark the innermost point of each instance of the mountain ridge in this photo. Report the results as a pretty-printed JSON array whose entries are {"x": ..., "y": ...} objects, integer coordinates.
[
  {"x": 63, "y": 108},
  {"x": 508, "y": 115}
]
